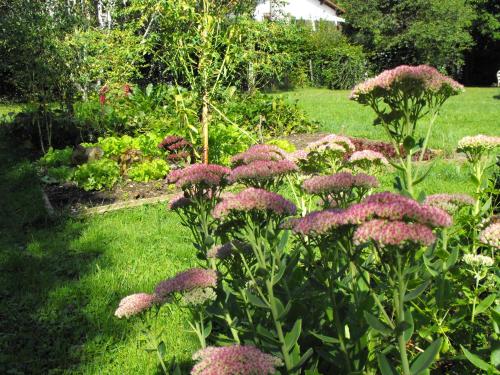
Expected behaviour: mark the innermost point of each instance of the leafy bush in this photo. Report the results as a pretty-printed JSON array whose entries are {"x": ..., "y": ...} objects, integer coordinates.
[
  {"x": 337, "y": 64},
  {"x": 116, "y": 146},
  {"x": 283, "y": 144},
  {"x": 56, "y": 158},
  {"x": 148, "y": 170},
  {"x": 59, "y": 174},
  {"x": 268, "y": 116},
  {"x": 97, "y": 175}
]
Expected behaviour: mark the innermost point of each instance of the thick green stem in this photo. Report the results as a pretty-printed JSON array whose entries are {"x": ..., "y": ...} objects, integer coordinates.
[
  {"x": 340, "y": 329},
  {"x": 277, "y": 325},
  {"x": 400, "y": 316},
  {"x": 474, "y": 302}
]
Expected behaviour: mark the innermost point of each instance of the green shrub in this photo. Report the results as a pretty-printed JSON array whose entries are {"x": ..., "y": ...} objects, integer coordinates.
[
  {"x": 116, "y": 146},
  {"x": 59, "y": 174},
  {"x": 283, "y": 144},
  {"x": 56, "y": 158},
  {"x": 97, "y": 175},
  {"x": 268, "y": 116},
  {"x": 149, "y": 170}
]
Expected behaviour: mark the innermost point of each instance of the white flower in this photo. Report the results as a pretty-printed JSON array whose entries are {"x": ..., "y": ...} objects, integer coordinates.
[
  {"x": 478, "y": 260},
  {"x": 478, "y": 143}
]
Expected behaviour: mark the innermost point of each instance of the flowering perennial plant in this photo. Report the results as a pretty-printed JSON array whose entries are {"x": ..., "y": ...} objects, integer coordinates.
[
  {"x": 413, "y": 80},
  {"x": 191, "y": 279},
  {"x": 341, "y": 188},
  {"x": 474, "y": 147},
  {"x": 135, "y": 304},
  {"x": 234, "y": 360},
  {"x": 263, "y": 173},
  {"x": 252, "y": 199},
  {"x": 368, "y": 160},
  {"x": 401, "y": 97},
  {"x": 200, "y": 176},
  {"x": 478, "y": 260},
  {"x": 332, "y": 142},
  {"x": 259, "y": 153},
  {"x": 393, "y": 233},
  {"x": 326, "y": 154},
  {"x": 491, "y": 235},
  {"x": 450, "y": 203}
]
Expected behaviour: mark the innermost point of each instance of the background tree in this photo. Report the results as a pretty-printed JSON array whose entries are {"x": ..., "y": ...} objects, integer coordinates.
[
  {"x": 396, "y": 32},
  {"x": 483, "y": 60}
]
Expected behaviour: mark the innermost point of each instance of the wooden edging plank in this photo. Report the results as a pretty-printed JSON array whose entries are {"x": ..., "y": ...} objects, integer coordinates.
[{"x": 123, "y": 205}]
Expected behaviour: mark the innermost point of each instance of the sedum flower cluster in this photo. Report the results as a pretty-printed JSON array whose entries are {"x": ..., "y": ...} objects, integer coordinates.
[
  {"x": 331, "y": 142},
  {"x": 259, "y": 153},
  {"x": 234, "y": 360},
  {"x": 384, "y": 218},
  {"x": 474, "y": 147},
  {"x": 135, "y": 304},
  {"x": 200, "y": 175},
  {"x": 491, "y": 235},
  {"x": 253, "y": 199},
  {"x": 450, "y": 203},
  {"x": 410, "y": 79},
  {"x": 339, "y": 182},
  {"x": 196, "y": 286},
  {"x": 262, "y": 172},
  {"x": 195, "y": 278},
  {"x": 478, "y": 260},
  {"x": 367, "y": 159}
]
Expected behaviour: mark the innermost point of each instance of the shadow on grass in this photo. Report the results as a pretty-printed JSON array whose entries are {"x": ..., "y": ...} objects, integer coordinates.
[{"x": 42, "y": 320}]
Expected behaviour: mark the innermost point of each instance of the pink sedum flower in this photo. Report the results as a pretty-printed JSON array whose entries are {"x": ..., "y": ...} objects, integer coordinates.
[
  {"x": 339, "y": 182},
  {"x": 185, "y": 281},
  {"x": 318, "y": 223},
  {"x": 234, "y": 360},
  {"x": 491, "y": 235},
  {"x": 262, "y": 170},
  {"x": 195, "y": 174},
  {"x": 259, "y": 153},
  {"x": 253, "y": 199},
  {"x": 407, "y": 78},
  {"x": 135, "y": 304},
  {"x": 366, "y": 157},
  {"x": 393, "y": 233},
  {"x": 179, "y": 202},
  {"x": 449, "y": 202},
  {"x": 396, "y": 207},
  {"x": 332, "y": 142}
]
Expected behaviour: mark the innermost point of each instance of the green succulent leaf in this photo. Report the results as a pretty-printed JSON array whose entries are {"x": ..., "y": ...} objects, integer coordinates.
[
  {"x": 425, "y": 359},
  {"x": 384, "y": 365},
  {"x": 376, "y": 324}
]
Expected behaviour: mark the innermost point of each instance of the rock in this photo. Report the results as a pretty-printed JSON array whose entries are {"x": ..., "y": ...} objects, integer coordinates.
[{"x": 82, "y": 155}]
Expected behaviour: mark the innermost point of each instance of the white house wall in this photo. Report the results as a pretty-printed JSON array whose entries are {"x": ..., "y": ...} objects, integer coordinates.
[{"x": 301, "y": 9}]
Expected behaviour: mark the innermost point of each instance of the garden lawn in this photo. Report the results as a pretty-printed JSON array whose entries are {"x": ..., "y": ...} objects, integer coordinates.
[
  {"x": 62, "y": 280},
  {"x": 473, "y": 112}
]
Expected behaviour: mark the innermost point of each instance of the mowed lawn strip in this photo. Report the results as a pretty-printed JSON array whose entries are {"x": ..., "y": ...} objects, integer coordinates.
[{"x": 477, "y": 111}]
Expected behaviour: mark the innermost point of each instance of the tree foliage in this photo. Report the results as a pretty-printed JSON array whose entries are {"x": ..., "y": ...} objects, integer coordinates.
[{"x": 433, "y": 32}]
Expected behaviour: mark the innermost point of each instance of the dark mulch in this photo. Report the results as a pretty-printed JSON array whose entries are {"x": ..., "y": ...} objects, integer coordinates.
[{"x": 69, "y": 196}]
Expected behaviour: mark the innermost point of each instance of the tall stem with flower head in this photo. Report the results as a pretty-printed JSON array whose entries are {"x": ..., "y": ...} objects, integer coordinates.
[{"x": 401, "y": 97}]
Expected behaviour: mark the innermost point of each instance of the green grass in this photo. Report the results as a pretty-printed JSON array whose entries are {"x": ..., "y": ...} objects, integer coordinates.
[
  {"x": 473, "y": 112},
  {"x": 62, "y": 280}
]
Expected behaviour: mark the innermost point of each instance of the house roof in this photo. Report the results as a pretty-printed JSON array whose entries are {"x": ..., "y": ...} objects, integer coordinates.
[{"x": 332, "y": 5}]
